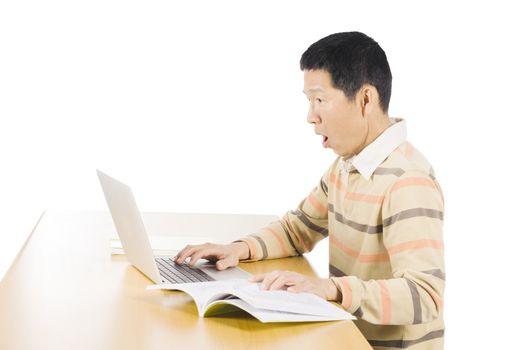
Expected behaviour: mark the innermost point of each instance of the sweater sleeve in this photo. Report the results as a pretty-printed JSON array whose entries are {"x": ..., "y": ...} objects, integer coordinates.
[
  {"x": 412, "y": 212},
  {"x": 298, "y": 231}
]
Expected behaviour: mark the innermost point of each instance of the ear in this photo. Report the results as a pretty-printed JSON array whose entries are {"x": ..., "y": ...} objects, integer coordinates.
[{"x": 365, "y": 99}]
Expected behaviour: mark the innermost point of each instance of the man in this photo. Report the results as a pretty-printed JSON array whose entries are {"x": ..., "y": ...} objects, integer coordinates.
[{"x": 379, "y": 204}]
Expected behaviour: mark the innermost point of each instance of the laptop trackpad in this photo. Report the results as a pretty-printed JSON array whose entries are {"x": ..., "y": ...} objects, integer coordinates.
[{"x": 230, "y": 273}]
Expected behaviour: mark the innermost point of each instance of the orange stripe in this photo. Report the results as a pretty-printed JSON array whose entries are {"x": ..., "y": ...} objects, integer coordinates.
[
  {"x": 281, "y": 241},
  {"x": 412, "y": 181},
  {"x": 355, "y": 254},
  {"x": 318, "y": 205},
  {"x": 418, "y": 244},
  {"x": 354, "y": 196},
  {"x": 359, "y": 197},
  {"x": 347, "y": 293},
  {"x": 335, "y": 180},
  {"x": 385, "y": 303},
  {"x": 409, "y": 151}
]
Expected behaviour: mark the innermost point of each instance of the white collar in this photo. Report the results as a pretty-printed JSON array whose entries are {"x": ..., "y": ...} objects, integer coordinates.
[{"x": 375, "y": 153}]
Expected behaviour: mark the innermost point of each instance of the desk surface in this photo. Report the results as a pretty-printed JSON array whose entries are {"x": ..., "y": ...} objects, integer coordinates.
[{"x": 66, "y": 291}]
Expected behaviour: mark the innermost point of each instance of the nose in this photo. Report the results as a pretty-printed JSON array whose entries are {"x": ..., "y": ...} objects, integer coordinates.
[{"x": 313, "y": 117}]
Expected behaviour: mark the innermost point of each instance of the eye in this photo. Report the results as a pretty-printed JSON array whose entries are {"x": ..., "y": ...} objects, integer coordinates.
[{"x": 318, "y": 100}]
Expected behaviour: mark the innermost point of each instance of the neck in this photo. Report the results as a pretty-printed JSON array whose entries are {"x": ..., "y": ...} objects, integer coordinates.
[{"x": 376, "y": 126}]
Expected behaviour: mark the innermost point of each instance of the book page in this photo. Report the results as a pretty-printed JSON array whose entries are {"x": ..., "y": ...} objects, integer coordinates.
[
  {"x": 226, "y": 306},
  {"x": 299, "y": 303}
]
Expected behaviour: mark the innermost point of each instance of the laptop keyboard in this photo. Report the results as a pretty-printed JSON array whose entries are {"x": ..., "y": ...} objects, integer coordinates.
[{"x": 175, "y": 273}]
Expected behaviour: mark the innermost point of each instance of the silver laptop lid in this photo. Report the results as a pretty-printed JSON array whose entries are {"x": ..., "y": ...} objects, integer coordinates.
[{"x": 129, "y": 225}]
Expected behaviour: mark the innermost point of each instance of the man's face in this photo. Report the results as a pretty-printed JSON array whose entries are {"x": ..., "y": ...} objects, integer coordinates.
[{"x": 338, "y": 119}]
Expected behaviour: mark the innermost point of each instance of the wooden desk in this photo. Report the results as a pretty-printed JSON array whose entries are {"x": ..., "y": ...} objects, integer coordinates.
[{"x": 66, "y": 291}]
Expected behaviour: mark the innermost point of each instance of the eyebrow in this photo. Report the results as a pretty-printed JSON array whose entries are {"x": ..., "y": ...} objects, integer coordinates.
[{"x": 313, "y": 90}]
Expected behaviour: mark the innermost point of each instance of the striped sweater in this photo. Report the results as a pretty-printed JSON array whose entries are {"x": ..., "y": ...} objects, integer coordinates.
[{"x": 384, "y": 226}]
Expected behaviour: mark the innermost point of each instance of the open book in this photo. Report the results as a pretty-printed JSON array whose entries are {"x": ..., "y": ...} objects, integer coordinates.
[{"x": 220, "y": 297}]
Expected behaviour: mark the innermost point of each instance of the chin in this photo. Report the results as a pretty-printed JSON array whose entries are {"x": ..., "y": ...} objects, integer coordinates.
[{"x": 344, "y": 156}]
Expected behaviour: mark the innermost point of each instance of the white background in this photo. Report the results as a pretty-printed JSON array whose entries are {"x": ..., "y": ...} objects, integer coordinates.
[{"x": 198, "y": 106}]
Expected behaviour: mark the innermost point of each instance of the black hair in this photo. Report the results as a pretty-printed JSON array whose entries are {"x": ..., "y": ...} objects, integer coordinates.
[{"x": 352, "y": 59}]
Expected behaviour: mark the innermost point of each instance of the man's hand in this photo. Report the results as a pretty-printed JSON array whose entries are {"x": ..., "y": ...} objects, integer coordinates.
[
  {"x": 297, "y": 283},
  {"x": 225, "y": 255}
]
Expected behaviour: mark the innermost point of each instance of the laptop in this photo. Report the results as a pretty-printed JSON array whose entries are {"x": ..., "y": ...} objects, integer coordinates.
[{"x": 136, "y": 245}]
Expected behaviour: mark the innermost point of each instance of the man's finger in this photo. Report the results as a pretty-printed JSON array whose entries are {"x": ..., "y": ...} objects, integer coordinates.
[
  {"x": 180, "y": 253},
  {"x": 293, "y": 289},
  {"x": 197, "y": 255},
  {"x": 226, "y": 263},
  {"x": 280, "y": 282},
  {"x": 269, "y": 279},
  {"x": 184, "y": 254},
  {"x": 257, "y": 278}
]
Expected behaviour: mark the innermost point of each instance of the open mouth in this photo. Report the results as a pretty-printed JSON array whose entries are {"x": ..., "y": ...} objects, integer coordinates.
[{"x": 325, "y": 141}]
